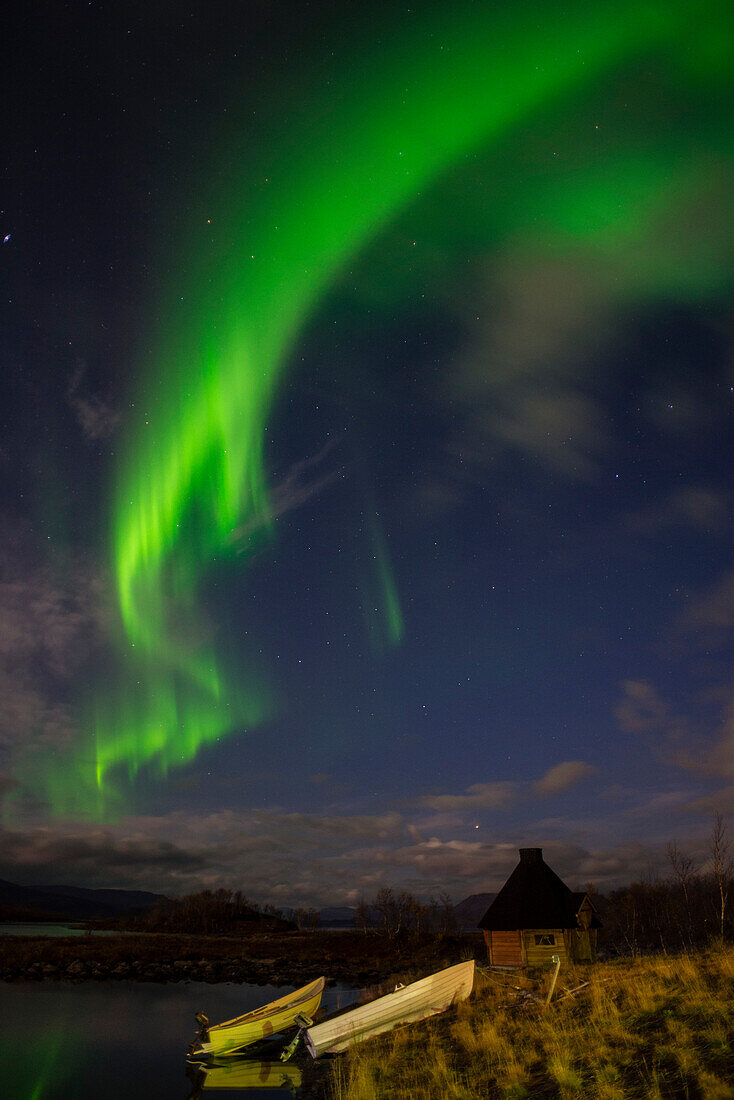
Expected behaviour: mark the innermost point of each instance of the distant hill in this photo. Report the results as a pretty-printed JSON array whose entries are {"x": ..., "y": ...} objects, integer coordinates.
[
  {"x": 82, "y": 903},
  {"x": 470, "y": 911},
  {"x": 336, "y": 915},
  {"x": 72, "y": 902},
  {"x": 121, "y": 901}
]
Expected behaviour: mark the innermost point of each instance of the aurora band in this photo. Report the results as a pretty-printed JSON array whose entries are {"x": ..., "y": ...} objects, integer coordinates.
[{"x": 301, "y": 201}]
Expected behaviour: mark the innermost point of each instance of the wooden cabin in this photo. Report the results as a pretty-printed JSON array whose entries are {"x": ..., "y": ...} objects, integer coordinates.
[{"x": 536, "y": 916}]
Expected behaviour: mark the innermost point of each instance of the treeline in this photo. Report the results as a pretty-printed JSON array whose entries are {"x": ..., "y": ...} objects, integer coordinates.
[
  {"x": 209, "y": 912},
  {"x": 660, "y": 916},
  {"x": 393, "y": 915},
  {"x": 687, "y": 908}
]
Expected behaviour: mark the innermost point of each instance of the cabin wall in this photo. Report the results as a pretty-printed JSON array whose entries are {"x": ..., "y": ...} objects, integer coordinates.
[
  {"x": 541, "y": 953},
  {"x": 583, "y": 944},
  {"x": 519, "y": 948},
  {"x": 505, "y": 948}
]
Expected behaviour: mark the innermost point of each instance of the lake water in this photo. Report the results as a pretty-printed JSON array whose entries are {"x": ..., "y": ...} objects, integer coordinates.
[
  {"x": 128, "y": 1040},
  {"x": 51, "y": 929}
]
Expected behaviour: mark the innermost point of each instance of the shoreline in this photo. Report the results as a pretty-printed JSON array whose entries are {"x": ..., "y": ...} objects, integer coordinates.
[{"x": 277, "y": 959}]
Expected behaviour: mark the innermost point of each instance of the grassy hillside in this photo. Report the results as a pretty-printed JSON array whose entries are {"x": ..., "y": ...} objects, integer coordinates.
[{"x": 657, "y": 1027}]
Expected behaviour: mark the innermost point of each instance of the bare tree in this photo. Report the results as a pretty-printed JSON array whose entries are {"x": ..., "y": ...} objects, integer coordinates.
[
  {"x": 684, "y": 870},
  {"x": 387, "y": 907},
  {"x": 401, "y": 914},
  {"x": 722, "y": 865},
  {"x": 362, "y": 914},
  {"x": 306, "y": 919}
]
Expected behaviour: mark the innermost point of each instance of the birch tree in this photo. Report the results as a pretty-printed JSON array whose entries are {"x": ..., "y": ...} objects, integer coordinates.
[{"x": 722, "y": 865}]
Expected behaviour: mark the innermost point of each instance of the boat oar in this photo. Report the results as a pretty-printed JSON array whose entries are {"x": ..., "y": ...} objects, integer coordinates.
[{"x": 304, "y": 1022}]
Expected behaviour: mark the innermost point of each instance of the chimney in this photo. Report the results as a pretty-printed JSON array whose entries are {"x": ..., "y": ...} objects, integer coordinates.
[{"x": 531, "y": 855}]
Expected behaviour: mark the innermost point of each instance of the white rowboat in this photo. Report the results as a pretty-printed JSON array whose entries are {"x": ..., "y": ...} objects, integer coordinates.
[
  {"x": 406, "y": 1004},
  {"x": 261, "y": 1023}
]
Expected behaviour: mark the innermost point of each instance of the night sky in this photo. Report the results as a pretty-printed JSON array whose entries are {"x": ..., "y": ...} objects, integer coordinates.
[{"x": 367, "y": 393}]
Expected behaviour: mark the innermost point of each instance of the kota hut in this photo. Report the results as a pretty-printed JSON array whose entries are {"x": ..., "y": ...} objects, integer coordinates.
[{"x": 536, "y": 916}]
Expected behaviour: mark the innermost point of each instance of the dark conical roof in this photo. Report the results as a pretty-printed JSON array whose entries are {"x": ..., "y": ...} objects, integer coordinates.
[{"x": 533, "y": 897}]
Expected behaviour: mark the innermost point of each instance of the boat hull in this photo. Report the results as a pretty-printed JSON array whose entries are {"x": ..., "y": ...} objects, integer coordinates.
[
  {"x": 417, "y": 1001},
  {"x": 263, "y": 1022}
]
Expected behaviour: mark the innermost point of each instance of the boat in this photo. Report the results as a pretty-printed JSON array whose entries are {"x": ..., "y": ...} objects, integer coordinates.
[
  {"x": 261, "y": 1023},
  {"x": 404, "y": 1005},
  {"x": 244, "y": 1073}
]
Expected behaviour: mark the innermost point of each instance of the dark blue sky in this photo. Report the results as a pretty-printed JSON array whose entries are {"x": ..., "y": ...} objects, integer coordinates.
[{"x": 538, "y": 419}]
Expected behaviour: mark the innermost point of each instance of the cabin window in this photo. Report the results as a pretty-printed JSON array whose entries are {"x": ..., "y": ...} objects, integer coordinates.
[{"x": 545, "y": 939}]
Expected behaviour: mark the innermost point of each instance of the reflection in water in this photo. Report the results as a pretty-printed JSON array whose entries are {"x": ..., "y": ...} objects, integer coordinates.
[
  {"x": 244, "y": 1073},
  {"x": 125, "y": 1040},
  {"x": 53, "y": 928},
  {"x": 41, "y": 1069}
]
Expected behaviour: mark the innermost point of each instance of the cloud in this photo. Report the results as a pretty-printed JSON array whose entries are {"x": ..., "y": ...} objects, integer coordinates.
[
  {"x": 705, "y": 746},
  {"x": 524, "y": 382},
  {"x": 51, "y": 626},
  {"x": 295, "y": 858},
  {"x": 91, "y": 856},
  {"x": 96, "y": 417},
  {"x": 720, "y": 801},
  {"x": 641, "y": 710},
  {"x": 299, "y": 485},
  {"x": 562, "y": 776},
  {"x": 714, "y": 758},
  {"x": 697, "y": 733},
  {"x": 480, "y": 796},
  {"x": 695, "y": 507},
  {"x": 271, "y": 855},
  {"x": 713, "y": 611},
  {"x": 313, "y": 830},
  {"x": 502, "y": 795}
]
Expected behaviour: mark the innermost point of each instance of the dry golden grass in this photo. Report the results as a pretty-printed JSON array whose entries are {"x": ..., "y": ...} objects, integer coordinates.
[{"x": 661, "y": 1028}]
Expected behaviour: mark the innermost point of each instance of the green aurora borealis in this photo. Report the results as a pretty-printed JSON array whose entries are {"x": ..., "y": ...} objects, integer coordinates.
[{"x": 372, "y": 135}]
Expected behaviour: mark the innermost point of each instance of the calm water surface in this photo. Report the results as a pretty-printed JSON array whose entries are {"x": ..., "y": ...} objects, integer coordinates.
[
  {"x": 127, "y": 1040},
  {"x": 53, "y": 930}
]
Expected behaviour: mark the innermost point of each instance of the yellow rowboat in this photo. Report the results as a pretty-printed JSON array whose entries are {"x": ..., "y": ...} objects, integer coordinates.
[
  {"x": 259, "y": 1024},
  {"x": 242, "y": 1073},
  {"x": 404, "y": 1005}
]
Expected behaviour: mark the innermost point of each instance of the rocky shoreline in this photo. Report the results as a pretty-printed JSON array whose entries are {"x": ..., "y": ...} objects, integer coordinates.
[
  {"x": 255, "y": 972},
  {"x": 265, "y": 959}
]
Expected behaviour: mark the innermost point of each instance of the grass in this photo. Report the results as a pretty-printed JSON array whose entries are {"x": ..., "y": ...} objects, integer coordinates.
[{"x": 661, "y": 1027}]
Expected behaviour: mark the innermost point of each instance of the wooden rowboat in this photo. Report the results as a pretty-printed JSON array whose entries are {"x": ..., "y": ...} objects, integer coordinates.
[
  {"x": 406, "y": 1004},
  {"x": 261, "y": 1023}
]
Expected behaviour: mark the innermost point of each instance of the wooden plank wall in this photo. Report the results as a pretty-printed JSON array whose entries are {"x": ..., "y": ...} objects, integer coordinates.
[
  {"x": 505, "y": 948},
  {"x": 542, "y": 954}
]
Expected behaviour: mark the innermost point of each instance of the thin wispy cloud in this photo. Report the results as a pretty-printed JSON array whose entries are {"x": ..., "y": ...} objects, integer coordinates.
[
  {"x": 563, "y": 776},
  {"x": 97, "y": 418}
]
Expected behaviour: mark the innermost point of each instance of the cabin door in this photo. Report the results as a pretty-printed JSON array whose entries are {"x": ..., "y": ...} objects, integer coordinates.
[
  {"x": 506, "y": 949},
  {"x": 582, "y": 946}
]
